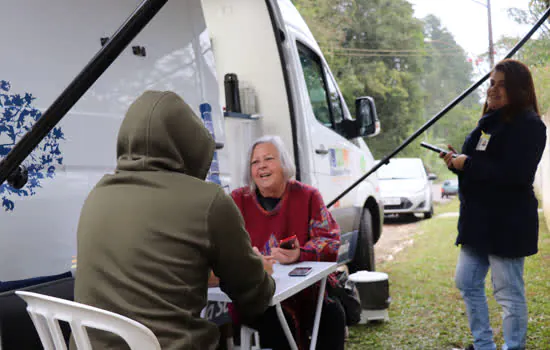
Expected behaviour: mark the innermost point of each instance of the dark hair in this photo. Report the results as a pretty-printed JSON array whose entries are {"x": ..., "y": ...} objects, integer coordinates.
[{"x": 519, "y": 87}]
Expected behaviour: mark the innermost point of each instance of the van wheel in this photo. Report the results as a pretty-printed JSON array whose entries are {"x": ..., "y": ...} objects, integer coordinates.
[
  {"x": 429, "y": 214},
  {"x": 364, "y": 251}
]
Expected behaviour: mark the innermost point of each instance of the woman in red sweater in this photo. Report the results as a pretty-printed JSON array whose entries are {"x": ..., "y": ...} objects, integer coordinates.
[{"x": 276, "y": 207}]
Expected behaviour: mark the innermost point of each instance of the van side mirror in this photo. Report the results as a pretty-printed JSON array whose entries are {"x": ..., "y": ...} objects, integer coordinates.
[
  {"x": 366, "y": 119},
  {"x": 432, "y": 177}
]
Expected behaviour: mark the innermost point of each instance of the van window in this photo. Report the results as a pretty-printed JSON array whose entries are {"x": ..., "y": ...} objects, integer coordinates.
[
  {"x": 315, "y": 83},
  {"x": 335, "y": 102},
  {"x": 323, "y": 93}
]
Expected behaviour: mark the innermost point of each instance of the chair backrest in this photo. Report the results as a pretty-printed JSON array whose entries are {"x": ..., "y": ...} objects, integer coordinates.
[{"x": 46, "y": 312}]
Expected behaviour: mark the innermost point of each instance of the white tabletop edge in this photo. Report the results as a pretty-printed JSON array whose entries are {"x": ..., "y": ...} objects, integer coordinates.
[{"x": 286, "y": 286}]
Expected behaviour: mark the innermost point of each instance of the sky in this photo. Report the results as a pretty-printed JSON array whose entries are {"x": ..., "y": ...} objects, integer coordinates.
[{"x": 467, "y": 20}]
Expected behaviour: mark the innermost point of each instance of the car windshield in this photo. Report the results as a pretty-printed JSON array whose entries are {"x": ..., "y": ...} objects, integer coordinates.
[{"x": 401, "y": 169}]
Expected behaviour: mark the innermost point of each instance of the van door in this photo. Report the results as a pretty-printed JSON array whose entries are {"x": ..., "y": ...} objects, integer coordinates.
[{"x": 337, "y": 161}]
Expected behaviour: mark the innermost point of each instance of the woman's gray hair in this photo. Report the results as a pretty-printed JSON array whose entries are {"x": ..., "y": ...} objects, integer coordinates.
[{"x": 289, "y": 170}]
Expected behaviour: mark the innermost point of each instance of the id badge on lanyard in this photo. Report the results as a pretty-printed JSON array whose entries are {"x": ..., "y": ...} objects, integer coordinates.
[{"x": 483, "y": 141}]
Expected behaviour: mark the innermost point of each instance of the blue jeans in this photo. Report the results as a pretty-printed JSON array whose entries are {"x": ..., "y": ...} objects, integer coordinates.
[{"x": 509, "y": 292}]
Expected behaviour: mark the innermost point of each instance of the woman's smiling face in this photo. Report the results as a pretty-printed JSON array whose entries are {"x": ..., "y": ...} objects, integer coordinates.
[
  {"x": 496, "y": 94},
  {"x": 266, "y": 169}
]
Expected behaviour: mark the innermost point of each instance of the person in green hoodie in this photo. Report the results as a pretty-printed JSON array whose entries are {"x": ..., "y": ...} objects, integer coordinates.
[{"x": 150, "y": 233}]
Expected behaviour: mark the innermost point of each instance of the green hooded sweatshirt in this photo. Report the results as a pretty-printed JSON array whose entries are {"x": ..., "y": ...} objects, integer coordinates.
[{"x": 149, "y": 234}]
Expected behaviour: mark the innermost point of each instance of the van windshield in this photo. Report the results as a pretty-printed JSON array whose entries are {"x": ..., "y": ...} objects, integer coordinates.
[{"x": 401, "y": 169}]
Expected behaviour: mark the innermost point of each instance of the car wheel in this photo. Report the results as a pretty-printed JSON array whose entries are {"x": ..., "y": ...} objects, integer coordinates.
[
  {"x": 429, "y": 214},
  {"x": 364, "y": 250}
]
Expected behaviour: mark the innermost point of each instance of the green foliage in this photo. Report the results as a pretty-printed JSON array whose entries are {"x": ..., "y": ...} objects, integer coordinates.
[
  {"x": 536, "y": 52},
  {"x": 541, "y": 76},
  {"x": 412, "y": 69},
  {"x": 447, "y": 74}
]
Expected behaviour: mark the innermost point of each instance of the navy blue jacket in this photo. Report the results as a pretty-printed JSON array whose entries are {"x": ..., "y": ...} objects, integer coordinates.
[{"x": 498, "y": 208}]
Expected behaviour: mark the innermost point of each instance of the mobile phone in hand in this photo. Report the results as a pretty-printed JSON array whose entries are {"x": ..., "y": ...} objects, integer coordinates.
[
  {"x": 433, "y": 148},
  {"x": 288, "y": 243}
]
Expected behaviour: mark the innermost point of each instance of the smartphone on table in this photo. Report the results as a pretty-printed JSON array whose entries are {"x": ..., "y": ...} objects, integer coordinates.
[
  {"x": 288, "y": 243},
  {"x": 300, "y": 271}
]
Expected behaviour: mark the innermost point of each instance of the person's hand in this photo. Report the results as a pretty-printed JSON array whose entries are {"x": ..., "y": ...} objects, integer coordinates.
[
  {"x": 268, "y": 264},
  {"x": 267, "y": 261},
  {"x": 453, "y": 159},
  {"x": 286, "y": 256},
  {"x": 213, "y": 280},
  {"x": 449, "y": 156},
  {"x": 458, "y": 161}
]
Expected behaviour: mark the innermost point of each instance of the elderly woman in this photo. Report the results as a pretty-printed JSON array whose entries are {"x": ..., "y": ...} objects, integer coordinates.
[{"x": 275, "y": 207}]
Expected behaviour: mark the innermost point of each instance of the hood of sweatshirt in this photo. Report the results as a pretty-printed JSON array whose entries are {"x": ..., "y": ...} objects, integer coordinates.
[{"x": 160, "y": 132}]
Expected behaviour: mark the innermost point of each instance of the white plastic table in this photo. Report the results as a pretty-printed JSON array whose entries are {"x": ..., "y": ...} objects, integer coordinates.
[{"x": 286, "y": 287}]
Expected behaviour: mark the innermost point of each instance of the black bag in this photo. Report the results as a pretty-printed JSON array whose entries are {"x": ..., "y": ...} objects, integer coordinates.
[{"x": 344, "y": 291}]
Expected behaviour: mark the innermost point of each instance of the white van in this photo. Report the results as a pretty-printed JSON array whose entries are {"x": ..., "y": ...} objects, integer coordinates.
[{"x": 188, "y": 48}]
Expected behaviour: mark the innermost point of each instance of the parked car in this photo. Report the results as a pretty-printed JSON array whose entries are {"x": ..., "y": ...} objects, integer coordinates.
[
  {"x": 449, "y": 188},
  {"x": 406, "y": 187}
]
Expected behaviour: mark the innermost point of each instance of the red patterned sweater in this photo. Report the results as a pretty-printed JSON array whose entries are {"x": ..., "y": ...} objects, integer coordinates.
[{"x": 301, "y": 212}]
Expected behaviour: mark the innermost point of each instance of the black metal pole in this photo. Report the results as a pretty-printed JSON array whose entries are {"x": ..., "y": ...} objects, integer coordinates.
[
  {"x": 78, "y": 87},
  {"x": 439, "y": 115}
]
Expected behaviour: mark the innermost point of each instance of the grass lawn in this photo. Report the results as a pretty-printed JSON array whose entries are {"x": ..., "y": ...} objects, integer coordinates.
[{"x": 427, "y": 311}]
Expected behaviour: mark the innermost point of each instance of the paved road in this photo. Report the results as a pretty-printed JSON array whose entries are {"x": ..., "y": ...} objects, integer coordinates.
[{"x": 397, "y": 234}]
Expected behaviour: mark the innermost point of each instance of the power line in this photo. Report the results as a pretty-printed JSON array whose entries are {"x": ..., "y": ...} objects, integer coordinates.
[
  {"x": 393, "y": 50},
  {"x": 351, "y": 54}
]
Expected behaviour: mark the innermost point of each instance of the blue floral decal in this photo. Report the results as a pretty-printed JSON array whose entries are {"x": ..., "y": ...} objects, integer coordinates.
[{"x": 17, "y": 116}]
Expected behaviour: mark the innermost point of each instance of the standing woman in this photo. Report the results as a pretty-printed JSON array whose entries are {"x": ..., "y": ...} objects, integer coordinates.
[{"x": 498, "y": 223}]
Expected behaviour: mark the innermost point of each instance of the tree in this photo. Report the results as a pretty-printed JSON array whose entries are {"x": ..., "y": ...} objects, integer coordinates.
[
  {"x": 326, "y": 19},
  {"x": 447, "y": 74},
  {"x": 377, "y": 48},
  {"x": 536, "y": 52},
  {"x": 382, "y": 61}
]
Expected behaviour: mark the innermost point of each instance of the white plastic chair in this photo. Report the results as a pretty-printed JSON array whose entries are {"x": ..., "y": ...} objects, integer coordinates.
[
  {"x": 246, "y": 335},
  {"x": 46, "y": 311}
]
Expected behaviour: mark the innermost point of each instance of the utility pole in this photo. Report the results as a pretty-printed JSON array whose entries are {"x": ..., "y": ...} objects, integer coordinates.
[{"x": 491, "y": 48}]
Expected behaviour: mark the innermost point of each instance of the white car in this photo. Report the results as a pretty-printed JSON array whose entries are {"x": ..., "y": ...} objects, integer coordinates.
[{"x": 406, "y": 187}]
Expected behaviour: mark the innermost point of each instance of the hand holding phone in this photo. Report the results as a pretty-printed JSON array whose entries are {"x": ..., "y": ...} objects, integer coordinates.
[
  {"x": 288, "y": 243},
  {"x": 288, "y": 251},
  {"x": 435, "y": 148},
  {"x": 432, "y": 147}
]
